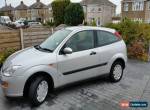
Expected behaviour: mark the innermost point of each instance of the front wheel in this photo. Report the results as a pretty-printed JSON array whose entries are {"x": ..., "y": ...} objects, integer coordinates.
[
  {"x": 116, "y": 72},
  {"x": 38, "y": 91}
]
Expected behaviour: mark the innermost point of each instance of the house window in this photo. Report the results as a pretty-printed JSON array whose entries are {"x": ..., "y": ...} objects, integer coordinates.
[
  {"x": 29, "y": 11},
  {"x": 91, "y": 19},
  {"x": 148, "y": 5},
  {"x": 126, "y": 6},
  {"x": 92, "y": 9},
  {"x": 98, "y": 22},
  {"x": 138, "y": 6},
  {"x": 99, "y": 9},
  {"x": 16, "y": 12},
  {"x": 149, "y": 21},
  {"x": 85, "y": 8},
  {"x": 34, "y": 12}
]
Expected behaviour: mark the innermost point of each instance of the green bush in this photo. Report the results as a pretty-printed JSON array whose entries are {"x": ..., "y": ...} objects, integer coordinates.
[
  {"x": 5, "y": 54},
  {"x": 134, "y": 33},
  {"x": 93, "y": 23},
  {"x": 49, "y": 23},
  {"x": 1, "y": 14},
  {"x": 85, "y": 23}
]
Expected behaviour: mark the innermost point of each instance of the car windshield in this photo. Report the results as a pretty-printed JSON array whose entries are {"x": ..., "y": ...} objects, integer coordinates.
[{"x": 54, "y": 40}]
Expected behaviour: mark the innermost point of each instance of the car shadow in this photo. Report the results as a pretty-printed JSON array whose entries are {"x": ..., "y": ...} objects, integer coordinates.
[{"x": 24, "y": 102}]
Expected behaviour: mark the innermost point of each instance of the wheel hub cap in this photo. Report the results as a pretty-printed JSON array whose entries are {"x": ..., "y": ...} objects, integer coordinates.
[
  {"x": 117, "y": 72},
  {"x": 42, "y": 91}
]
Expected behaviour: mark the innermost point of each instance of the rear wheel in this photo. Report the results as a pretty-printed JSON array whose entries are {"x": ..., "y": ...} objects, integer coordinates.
[
  {"x": 116, "y": 72},
  {"x": 38, "y": 91}
]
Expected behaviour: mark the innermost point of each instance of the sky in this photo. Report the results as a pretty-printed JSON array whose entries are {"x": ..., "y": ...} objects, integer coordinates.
[{"x": 29, "y": 2}]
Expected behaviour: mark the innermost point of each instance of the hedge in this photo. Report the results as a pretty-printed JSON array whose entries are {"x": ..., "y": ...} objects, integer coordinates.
[
  {"x": 136, "y": 35},
  {"x": 5, "y": 54}
]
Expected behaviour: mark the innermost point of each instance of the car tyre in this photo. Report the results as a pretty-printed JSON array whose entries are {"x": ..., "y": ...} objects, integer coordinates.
[
  {"x": 116, "y": 72},
  {"x": 38, "y": 91},
  {"x": 9, "y": 98}
]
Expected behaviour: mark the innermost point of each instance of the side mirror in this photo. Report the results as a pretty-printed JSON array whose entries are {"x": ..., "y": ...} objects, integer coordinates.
[{"x": 67, "y": 50}]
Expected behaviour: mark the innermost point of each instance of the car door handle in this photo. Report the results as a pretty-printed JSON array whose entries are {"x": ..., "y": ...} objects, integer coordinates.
[{"x": 93, "y": 53}]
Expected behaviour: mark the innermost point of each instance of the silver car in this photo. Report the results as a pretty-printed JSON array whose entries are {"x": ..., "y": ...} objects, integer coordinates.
[{"x": 69, "y": 55}]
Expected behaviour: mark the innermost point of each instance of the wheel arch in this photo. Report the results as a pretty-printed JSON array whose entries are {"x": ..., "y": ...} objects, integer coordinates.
[
  {"x": 118, "y": 57},
  {"x": 35, "y": 75},
  {"x": 120, "y": 60}
]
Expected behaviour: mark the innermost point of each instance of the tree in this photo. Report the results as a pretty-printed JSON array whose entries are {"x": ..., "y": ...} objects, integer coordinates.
[
  {"x": 74, "y": 14},
  {"x": 1, "y": 14},
  {"x": 58, "y": 7}
]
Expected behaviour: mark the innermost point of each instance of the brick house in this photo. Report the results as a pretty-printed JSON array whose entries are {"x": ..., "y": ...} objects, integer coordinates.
[
  {"x": 49, "y": 13},
  {"x": 137, "y": 10},
  {"x": 38, "y": 11},
  {"x": 21, "y": 11},
  {"x": 101, "y": 11},
  {"x": 8, "y": 10}
]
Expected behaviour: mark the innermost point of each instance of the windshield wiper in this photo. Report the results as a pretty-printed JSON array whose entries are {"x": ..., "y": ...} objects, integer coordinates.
[{"x": 45, "y": 49}]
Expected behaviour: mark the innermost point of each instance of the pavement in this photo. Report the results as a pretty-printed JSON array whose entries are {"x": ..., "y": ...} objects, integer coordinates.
[{"x": 97, "y": 94}]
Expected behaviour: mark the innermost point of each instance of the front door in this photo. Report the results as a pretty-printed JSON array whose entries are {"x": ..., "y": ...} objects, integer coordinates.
[{"x": 83, "y": 62}]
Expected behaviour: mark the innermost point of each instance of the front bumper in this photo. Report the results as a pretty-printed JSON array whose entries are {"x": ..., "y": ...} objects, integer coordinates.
[{"x": 12, "y": 86}]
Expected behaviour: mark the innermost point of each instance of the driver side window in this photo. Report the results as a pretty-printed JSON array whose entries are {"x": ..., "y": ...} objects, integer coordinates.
[{"x": 81, "y": 41}]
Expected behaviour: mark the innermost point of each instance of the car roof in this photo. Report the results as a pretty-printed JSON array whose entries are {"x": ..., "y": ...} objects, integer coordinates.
[{"x": 81, "y": 28}]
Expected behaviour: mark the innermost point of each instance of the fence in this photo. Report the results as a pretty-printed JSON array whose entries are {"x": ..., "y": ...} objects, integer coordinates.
[
  {"x": 9, "y": 39},
  {"x": 23, "y": 38},
  {"x": 34, "y": 36}
]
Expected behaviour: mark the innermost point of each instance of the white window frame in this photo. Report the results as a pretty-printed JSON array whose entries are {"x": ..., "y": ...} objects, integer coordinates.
[
  {"x": 148, "y": 5},
  {"x": 126, "y": 7},
  {"x": 138, "y": 6}
]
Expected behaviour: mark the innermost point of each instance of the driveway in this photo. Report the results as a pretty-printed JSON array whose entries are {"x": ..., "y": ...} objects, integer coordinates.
[{"x": 97, "y": 94}]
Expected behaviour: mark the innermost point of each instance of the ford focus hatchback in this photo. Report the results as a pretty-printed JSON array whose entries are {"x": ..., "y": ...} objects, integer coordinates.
[{"x": 67, "y": 56}]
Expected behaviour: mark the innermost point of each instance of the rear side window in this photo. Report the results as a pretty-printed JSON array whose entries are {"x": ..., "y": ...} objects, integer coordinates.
[{"x": 105, "y": 38}]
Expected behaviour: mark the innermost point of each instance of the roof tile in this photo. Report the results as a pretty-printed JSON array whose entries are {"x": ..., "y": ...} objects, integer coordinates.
[
  {"x": 22, "y": 6},
  {"x": 100, "y": 2}
]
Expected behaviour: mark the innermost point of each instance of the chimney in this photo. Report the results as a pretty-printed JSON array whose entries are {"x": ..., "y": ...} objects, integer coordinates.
[
  {"x": 21, "y": 2},
  {"x": 5, "y": 3}
]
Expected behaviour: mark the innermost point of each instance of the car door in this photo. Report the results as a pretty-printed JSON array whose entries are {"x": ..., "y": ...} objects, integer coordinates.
[
  {"x": 107, "y": 45},
  {"x": 83, "y": 62}
]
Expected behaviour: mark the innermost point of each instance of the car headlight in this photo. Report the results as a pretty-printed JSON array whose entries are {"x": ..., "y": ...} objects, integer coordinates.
[{"x": 10, "y": 70}]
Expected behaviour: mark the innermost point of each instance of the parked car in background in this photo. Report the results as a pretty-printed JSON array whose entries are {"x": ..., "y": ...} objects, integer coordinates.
[
  {"x": 5, "y": 20},
  {"x": 34, "y": 23},
  {"x": 22, "y": 19},
  {"x": 22, "y": 22},
  {"x": 18, "y": 23},
  {"x": 69, "y": 55}
]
